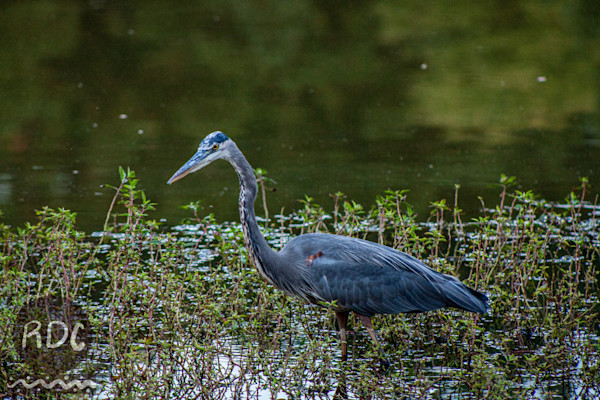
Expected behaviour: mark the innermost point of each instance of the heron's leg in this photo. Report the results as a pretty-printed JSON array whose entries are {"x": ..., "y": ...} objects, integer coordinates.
[
  {"x": 342, "y": 319},
  {"x": 367, "y": 323}
]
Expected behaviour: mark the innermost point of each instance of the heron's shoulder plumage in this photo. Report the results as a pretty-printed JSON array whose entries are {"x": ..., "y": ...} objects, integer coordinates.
[{"x": 355, "y": 251}]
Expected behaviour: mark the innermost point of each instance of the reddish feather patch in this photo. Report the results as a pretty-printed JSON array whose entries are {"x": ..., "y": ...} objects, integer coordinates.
[{"x": 313, "y": 257}]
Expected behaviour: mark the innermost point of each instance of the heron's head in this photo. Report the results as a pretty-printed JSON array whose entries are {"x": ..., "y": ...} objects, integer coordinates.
[{"x": 213, "y": 147}]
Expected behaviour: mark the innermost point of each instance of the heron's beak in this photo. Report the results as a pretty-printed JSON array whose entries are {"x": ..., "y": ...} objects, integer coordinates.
[{"x": 198, "y": 161}]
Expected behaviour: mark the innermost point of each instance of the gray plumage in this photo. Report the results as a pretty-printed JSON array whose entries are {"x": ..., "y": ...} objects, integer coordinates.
[
  {"x": 369, "y": 278},
  {"x": 356, "y": 275}
]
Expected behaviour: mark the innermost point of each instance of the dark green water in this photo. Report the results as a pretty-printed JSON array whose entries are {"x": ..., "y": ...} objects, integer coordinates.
[{"x": 328, "y": 96}]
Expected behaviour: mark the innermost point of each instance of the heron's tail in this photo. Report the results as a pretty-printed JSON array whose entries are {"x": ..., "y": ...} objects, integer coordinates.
[{"x": 465, "y": 298}]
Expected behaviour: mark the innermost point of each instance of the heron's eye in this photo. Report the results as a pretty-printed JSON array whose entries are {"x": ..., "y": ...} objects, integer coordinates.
[{"x": 215, "y": 146}]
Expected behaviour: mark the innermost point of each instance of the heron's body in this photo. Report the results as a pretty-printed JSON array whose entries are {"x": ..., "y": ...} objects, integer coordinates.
[
  {"x": 369, "y": 278},
  {"x": 351, "y": 275}
]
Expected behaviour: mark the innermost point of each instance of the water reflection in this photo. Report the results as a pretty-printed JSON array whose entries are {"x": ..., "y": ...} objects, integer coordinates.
[{"x": 355, "y": 99}]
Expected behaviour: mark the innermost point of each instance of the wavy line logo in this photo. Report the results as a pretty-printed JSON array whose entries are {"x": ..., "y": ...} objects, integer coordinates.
[{"x": 81, "y": 385}]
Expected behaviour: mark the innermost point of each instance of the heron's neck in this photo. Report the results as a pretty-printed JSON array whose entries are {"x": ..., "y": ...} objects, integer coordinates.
[{"x": 258, "y": 249}]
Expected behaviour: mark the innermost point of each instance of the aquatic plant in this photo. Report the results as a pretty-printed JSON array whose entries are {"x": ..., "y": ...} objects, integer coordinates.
[{"x": 177, "y": 312}]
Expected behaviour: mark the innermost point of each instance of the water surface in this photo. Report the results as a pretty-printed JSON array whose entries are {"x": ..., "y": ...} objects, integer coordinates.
[{"x": 326, "y": 98}]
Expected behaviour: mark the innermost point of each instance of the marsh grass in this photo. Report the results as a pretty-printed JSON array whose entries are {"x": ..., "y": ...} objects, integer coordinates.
[{"x": 179, "y": 313}]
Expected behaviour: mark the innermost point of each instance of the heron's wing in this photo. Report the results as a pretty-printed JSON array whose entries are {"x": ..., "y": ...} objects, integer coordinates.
[
  {"x": 367, "y": 289},
  {"x": 369, "y": 278}
]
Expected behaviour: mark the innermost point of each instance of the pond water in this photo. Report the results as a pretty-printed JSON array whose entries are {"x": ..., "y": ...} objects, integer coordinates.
[{"x": 356, "y": 98}]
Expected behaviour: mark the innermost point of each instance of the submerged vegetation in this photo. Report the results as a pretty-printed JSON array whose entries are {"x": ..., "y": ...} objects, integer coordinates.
[{"x": 179, "y": 312}]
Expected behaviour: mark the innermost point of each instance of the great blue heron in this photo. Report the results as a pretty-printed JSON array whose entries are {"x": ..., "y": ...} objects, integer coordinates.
[{"x": 346, "y": 273}]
